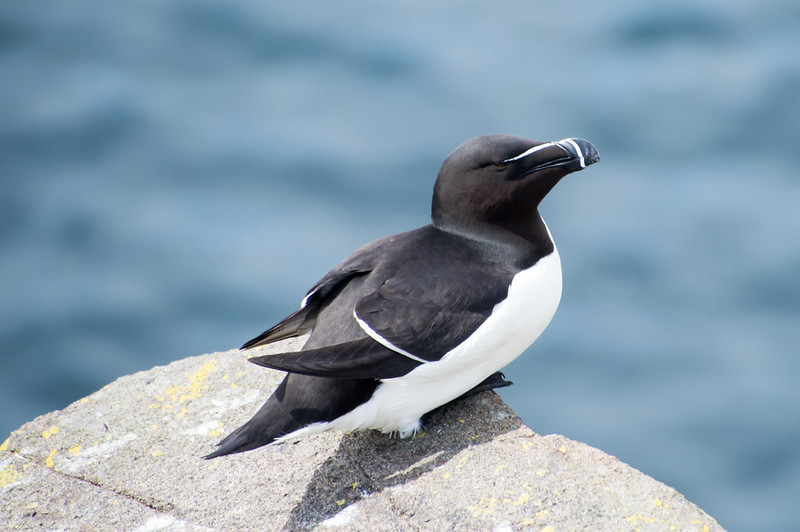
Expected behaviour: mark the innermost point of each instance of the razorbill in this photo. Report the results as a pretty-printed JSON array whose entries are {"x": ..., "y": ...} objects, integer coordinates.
[{"x": 413, "y": 321}]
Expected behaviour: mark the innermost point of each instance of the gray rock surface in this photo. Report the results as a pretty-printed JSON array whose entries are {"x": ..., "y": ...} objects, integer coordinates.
[{"x": 128, "y": 458}]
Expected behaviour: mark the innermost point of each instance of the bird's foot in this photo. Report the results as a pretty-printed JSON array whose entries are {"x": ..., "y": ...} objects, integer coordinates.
[{"x": 495, "y": 380}]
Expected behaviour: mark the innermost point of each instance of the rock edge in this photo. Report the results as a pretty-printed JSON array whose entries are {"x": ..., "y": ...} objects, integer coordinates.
[{"x": 128, "y": 458}]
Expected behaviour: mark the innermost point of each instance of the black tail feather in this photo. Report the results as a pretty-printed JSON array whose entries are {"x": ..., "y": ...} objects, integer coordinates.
[
  {"x": 298, "y": 401},
  {"x": 238, "y": 441},
  {"x": 268, "y": 424}
]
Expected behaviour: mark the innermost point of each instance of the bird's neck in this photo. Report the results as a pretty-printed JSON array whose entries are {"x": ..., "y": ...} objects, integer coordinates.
[{"x": 525, "y": 241}]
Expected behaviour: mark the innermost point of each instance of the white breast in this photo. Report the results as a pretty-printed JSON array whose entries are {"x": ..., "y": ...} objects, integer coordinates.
[{"x": 515, "y": 323}]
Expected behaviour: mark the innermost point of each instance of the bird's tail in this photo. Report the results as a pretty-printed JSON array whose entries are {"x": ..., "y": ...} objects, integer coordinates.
[
  {"x": 299, "y": 400},
  {"x": 245, "y": 438},
  {"x": 269, "y": 424}
]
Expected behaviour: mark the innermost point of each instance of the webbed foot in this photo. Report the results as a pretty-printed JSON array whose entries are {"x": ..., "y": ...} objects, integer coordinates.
[{"x": 495, "y": 380}]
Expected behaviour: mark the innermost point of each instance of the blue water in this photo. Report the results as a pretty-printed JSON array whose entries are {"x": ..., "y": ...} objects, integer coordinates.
[{"x": 175, "y": 175}]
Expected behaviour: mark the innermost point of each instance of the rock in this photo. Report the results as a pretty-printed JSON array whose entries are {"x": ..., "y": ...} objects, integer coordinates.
[{"x": 128, "y": 458}]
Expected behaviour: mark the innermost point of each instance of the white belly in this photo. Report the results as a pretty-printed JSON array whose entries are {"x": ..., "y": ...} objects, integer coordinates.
[{"x": 515, "y": 323}]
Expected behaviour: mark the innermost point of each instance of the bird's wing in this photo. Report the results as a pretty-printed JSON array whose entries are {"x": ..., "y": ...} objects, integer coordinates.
[
  {"x": 427, "y": 316},
  {"x": 294, "y": 325},
  {"x": 416, "y": 307},
  {"x": 406, "y": 328},
  {"x": 302, "y": 321},
  {"x": 356, "y": 359}
]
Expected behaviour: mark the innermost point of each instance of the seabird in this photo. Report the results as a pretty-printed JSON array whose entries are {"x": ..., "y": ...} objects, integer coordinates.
[{"x": 415, "y": 320}]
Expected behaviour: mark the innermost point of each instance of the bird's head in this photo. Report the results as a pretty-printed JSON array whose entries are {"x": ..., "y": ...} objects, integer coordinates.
[{"x": 496, "y": 182}]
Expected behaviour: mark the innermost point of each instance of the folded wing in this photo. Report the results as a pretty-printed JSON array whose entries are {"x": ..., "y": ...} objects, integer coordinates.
[{"x": 358, "y": 359}]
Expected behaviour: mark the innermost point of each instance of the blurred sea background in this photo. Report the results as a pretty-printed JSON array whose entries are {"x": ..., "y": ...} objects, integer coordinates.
[{"x": 175, "y": 176}]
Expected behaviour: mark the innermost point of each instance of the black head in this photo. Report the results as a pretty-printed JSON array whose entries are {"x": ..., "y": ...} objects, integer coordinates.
[{"x": 492, "y": 185}]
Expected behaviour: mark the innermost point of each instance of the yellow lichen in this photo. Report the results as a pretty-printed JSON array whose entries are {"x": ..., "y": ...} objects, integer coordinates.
[
  {"x": 485, "y": 506},
  {"x": 75, "y": 449},
  {"x": 196, "y": 380},
  {"x": 180, "y": 393},
  {"x": 4, "y": 445},
  {"x": 522, "y": 499},
  {"x": 9, "y": 475},
  {"x": 173, "y": 391},
  {"x": 217, "y": 432},
  {"x": 49, "y": 432},
  {"x": 49, "y": 460}
]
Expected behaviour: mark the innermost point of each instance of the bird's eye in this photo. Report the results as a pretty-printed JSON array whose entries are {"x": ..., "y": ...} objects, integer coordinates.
[{"x": 500, "y": 164}]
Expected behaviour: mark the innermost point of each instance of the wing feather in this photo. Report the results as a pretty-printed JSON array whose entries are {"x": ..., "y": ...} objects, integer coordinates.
[
  {"x": 430, "y": 323},
  {"x": 357, "y": 359}
]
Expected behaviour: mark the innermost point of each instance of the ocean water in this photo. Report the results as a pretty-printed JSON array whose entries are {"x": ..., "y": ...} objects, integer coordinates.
[{"x": 175, "y": 175}]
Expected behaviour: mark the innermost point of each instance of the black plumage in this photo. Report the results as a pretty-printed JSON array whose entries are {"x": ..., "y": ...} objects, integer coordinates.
[{"x": 419, "y": 294}]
